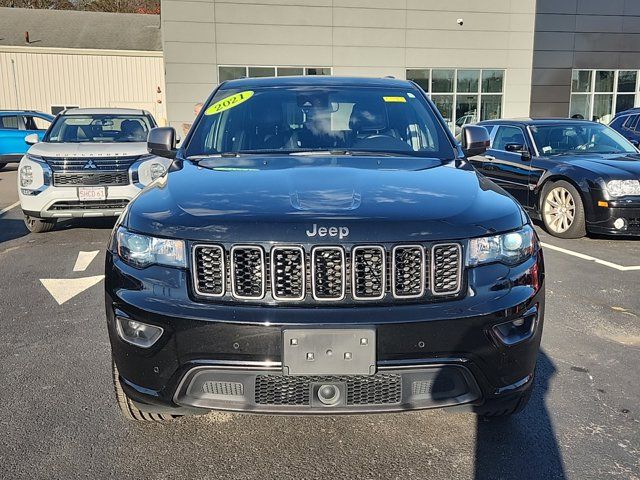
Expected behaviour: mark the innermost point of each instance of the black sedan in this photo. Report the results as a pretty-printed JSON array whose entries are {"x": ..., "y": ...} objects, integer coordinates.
[{"x": 576, "y": 176}]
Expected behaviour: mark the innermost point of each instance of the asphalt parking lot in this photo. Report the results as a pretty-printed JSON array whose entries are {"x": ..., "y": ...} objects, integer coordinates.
[{"x": 59, "y": 418}]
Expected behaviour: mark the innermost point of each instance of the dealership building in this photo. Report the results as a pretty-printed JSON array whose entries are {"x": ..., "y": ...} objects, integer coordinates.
[{"x": 477, "y": 59}]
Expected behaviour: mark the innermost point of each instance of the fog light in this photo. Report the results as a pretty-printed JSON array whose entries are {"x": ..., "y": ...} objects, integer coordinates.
[
  {"x": 620, "y": 223},
  {"x": 329, "y": 394},
  {"x": 518, "y": 330},
  {"x": 137, "y": 333}
]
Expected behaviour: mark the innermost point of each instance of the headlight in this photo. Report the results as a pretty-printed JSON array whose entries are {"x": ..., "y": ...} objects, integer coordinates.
[
  {"x": 141, "y": 250},
  {"x": 509, "y": 248},
  {"x": 26, "y": 175},
  {"x": 620, "y": 188},
  {"x": 150, "y": 168}
]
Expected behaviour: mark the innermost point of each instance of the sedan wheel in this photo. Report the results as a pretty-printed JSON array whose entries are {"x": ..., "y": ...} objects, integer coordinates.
[
  {"x": 559, "y": 210},
  {"x": 562, "y": 210}
]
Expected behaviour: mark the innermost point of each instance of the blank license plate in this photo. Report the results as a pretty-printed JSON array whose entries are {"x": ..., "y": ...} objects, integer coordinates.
[
  {"x": 326, "y": 351},
  {"x": 92, "y": 193}
]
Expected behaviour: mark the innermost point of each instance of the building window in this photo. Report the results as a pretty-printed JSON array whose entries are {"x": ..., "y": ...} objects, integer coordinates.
[
  {"x": 600, "y": 94},
  {"x": 232, "y": 72},
  {"x": 56, "y": 109},
  {"x": 464, "y": 95}
]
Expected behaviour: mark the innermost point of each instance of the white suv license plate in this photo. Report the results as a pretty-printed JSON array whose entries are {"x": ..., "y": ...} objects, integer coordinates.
[
  {"x": 329, "y": 351},
  {"x": 92, "y": 193}
]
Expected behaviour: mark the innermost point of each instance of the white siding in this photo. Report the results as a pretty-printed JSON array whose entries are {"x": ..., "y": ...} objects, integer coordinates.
[{"x": 92, "y": 78}]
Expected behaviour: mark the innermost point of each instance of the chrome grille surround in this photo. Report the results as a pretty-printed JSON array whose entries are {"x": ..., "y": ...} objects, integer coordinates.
[
  {"x": 395, "y": 264},
  {"x": 306, "y": 274},
  {"x": 280, "y": 270},
  {"x": 361, "y": 268},
  {"x": 208, "y": 268},
  {"x": 341, "y": 272},
  {"x": 248, "y": 275},
  {"x": 443, "y": 257}
]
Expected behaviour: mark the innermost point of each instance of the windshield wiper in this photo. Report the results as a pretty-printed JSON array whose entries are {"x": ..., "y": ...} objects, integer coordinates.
[{"x": 347, "y": 152}]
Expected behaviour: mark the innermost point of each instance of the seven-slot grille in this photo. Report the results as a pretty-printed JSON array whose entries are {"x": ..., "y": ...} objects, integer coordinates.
[{"x": 361, "y": 273}]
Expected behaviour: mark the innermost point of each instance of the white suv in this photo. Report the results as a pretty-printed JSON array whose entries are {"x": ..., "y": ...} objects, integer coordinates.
[{"x": 90, "y": 163}]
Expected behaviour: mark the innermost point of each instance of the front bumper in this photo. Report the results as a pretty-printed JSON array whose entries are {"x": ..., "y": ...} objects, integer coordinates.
[
  {"x": 63, "y": 202},
  {"x": 228, "y": 357},
  {"x": 604, "y": 218}
]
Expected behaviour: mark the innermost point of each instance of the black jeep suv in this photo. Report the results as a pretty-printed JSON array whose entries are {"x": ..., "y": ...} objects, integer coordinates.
[{"x": 321, "y": 246}]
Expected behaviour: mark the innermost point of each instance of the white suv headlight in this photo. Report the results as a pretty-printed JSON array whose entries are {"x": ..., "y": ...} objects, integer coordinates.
[
  {"x": 140, "y": 251},
  {"x": 509, "y": 248},
  {"x": 151, "y": 168},
  {"x": 620, "y": 188},
  {"x": 26, "y": 175}
]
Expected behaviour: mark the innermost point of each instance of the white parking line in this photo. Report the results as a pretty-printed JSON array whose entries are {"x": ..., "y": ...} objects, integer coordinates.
[
  {"x": 6, "y": 209},
  {"x": 84, "y": 260},
  {"x": 606, "y": 263}
]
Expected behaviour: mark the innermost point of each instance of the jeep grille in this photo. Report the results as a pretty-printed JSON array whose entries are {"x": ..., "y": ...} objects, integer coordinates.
[{"x": 312, "y": 274}]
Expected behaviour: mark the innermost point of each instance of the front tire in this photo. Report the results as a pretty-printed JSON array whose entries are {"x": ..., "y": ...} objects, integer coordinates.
[
  {"x": 563, "y": 211},
  {"x": 2, "y": 165},
  {"x": 39, "y": 225},
  {"x": 130, "y": 410}
]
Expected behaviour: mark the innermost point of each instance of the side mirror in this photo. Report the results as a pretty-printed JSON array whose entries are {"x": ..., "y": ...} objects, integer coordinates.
[
  {"x": 162, "y": 142},
  {"x": 31, "y": 139},
  {"x": 475, "y": 140},
  {"x": 635, "y": 143}
]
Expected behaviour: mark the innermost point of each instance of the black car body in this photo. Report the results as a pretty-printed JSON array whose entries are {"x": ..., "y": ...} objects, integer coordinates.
[
  {"x": 530, "y": 171},
  {"x": 328, "y": 280},
  {"x": 627, "y": 123}
]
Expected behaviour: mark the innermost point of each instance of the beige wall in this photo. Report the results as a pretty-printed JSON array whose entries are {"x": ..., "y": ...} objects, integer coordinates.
[
  {"x": 355, "y": 37},
  {"x": 85, "y": 78}
]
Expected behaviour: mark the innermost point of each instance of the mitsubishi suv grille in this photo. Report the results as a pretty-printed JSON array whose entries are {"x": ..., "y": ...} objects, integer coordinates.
[{"x": 285, "y": 274}]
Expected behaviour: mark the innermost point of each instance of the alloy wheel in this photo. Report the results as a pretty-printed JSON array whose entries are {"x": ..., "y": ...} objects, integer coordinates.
[{"x": 559, "y": 210}]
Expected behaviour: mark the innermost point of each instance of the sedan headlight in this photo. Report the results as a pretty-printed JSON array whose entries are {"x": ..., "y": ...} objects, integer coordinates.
[
  {"x": 620, "y": 188},
  {"x": 140, "y": 251},
  {"x": 508, "y": 248}
]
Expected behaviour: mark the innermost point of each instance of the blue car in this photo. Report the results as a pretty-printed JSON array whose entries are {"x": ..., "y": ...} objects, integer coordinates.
[
  {"x": 627, "y": 123},
  {"x": 14, "y": 126}
]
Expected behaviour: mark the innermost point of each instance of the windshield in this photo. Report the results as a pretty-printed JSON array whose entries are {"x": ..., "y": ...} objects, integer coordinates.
[
  {"x": 100, "y": 128},
  {"x": 310, "y": 119},
  {"x": 579, "y": 138}
]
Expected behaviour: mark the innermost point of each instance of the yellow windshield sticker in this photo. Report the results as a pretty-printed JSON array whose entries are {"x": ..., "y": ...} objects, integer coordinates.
[
  {"x": 229, "y": 102},
  {"x": 395, "y": 99}
]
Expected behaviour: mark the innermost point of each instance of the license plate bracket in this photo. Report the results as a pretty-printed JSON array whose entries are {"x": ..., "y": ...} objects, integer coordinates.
[
  {"x": 329, "y": 351},
  {"x": 92, "y": 193}
]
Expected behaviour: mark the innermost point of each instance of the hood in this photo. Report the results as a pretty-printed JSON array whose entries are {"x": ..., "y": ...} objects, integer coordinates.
[
  {"x": 89, "y": 149},
  {"x": 373, "y": 199},
  {"x": 609, "y": 166}
]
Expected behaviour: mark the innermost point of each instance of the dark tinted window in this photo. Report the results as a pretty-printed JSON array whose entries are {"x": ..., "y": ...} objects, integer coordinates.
[
  {"x": 506, "y": 135},
  {"x": 9, "y": 122},
  {"x": 579, "y": 139},
  {"x": 295, "y": 119}
]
